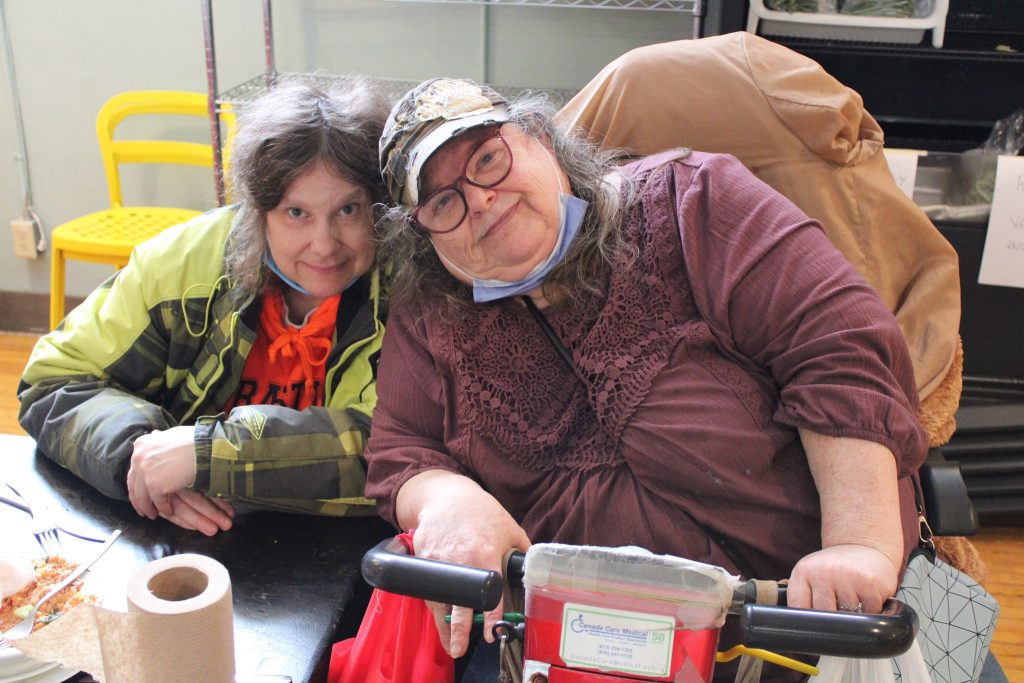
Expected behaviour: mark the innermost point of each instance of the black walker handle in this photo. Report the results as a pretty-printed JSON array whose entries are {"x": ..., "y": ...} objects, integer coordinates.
[
  {"x": 389, "y": 566},
  {"x": 820, "y": 632}
]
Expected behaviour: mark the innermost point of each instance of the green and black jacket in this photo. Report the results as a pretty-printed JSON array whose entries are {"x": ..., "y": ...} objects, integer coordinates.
[{"x": 163, "y": 343}]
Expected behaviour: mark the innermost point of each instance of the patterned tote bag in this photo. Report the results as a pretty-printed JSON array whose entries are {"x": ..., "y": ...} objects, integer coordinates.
[{"x": 957, "y": 618}]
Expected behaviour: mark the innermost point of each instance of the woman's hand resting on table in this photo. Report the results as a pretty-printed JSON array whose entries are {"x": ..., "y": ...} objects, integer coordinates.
[
  {"x": 163, "y": 466},
  {"x": 457, "y": 521}
]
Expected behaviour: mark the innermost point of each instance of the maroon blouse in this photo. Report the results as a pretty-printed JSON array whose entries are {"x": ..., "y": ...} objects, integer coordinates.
[{"x": 737, "y": 323}]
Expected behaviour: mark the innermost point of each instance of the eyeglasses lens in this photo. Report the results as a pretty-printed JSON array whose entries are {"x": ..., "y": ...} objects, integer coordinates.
[{"x": 488, "y": 165}]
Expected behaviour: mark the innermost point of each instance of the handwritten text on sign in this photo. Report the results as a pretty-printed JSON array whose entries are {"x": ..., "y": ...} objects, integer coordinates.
[
  {"x": 1002, "y": 261},
  {"x": 903, "y": 165}
]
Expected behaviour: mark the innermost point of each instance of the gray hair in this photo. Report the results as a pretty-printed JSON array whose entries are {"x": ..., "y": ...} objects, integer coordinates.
[
  {"x": 300, "y": 121},
  {"x": 416, "y": 267}
]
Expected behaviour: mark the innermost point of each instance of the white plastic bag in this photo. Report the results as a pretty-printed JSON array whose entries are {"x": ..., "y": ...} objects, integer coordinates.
[
  {"x": 909, "y": 667},
  {"x": 847, "y": 670}
]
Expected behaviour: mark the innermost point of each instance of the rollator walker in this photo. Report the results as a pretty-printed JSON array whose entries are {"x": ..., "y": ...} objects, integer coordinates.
[{"x": 607, "y": 615}]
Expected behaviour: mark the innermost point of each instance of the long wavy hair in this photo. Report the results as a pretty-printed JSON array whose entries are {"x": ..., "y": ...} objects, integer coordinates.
[
  {"x": 599, "y": 244},
  {"x": 300, "y": 121}
]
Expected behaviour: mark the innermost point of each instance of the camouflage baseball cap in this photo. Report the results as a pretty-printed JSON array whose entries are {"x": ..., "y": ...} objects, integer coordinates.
[{"x": 425, "y": 118}]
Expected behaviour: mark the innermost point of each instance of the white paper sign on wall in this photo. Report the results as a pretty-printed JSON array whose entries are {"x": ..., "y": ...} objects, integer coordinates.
[{"x": 1002, "y": 261}]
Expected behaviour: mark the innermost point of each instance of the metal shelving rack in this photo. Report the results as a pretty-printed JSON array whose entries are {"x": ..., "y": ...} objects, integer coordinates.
[
  {"x": 237, "y": 96},
  {"x": 669, "y": 5}
]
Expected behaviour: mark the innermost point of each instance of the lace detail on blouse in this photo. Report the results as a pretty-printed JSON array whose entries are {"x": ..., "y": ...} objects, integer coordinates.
[{"x": 516, "y": 391}]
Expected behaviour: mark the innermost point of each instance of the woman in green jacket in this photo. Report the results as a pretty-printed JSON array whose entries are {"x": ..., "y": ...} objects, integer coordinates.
[{"x": 234, "y": 357}]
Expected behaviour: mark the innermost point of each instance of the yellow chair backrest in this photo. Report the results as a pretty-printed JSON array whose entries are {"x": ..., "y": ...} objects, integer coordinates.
[{"x": 148, "y": 102}]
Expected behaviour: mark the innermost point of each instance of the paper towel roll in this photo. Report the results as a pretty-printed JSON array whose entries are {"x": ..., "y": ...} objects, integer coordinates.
[
  {"x": 179, "y": 627},
  {"x": 186, "y": 631}
]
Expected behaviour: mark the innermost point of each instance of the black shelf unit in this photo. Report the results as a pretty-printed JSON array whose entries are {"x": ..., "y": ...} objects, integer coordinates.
[
  {"x": 989, "y": 447},
  {"x": 939, "y": 99},
  {"x": 989, "y": 439},
  {"x": 944, "y": 99}
]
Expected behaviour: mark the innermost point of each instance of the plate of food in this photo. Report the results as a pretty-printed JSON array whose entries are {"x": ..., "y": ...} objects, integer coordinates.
[{"x": 23, "y": 582}]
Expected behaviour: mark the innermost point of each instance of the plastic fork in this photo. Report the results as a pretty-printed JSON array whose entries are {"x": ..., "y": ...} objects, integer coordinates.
[
  {"x": 22, "y": 504},
  {"x": 45, "y": 531},
  {"x": 24, "y": 627},
  {"x": 44, "y": 528}
]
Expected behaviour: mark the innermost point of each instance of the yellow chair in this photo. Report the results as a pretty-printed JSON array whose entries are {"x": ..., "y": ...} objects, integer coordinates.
[{"x": 108, "y": 236}]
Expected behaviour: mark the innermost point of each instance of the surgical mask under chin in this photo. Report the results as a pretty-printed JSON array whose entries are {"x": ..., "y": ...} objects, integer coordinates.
[
  {"x": 571, "y": 210},
  {"x": 269, "y": 260}
]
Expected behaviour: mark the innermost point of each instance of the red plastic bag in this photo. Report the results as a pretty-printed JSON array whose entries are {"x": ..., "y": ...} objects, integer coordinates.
[{"x": 397, "y": 642}]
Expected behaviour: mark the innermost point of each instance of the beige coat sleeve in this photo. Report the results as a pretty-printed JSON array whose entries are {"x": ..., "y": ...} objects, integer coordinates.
[{"x": 807, "y": 135}]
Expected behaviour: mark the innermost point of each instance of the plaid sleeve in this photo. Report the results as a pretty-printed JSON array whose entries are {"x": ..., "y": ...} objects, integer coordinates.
[
  {"x": 91, "y": 386},
  {"x": 301, "y": 461},
  {"x": 89, "y": 426}
]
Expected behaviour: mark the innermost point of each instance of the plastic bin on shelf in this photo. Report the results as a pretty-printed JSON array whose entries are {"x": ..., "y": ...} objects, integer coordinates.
[
  {"x": 830, "y": 26},
  {"x": 958, "y": 187}
]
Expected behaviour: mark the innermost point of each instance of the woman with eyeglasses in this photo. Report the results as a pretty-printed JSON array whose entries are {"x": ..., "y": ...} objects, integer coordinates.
[{"x": 665, "y": 354}]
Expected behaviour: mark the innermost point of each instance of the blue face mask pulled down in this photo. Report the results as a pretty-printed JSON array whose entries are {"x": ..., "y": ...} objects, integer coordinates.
[
  {"x": 269, "y": 260},
  {"x": 571, "y": 212}
]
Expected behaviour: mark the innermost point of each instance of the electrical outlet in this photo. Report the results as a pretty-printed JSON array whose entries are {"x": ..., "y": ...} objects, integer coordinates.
[{"x": 24, "y": 239}]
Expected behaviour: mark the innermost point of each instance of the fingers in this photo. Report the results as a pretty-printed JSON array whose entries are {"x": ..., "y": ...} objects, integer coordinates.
[
  {"x": 439, "y": 612},
  {"x": 224, "y": 505},
  {"x": 200, "y": 512},
  {"x": 188, "y": 517},
  {"x": 207, "y": 507},
  {"x": 138, "y": 494},
  {"x": 193, "y": 511},
  {"x": 491, "y": 618},
  {"x": 844, "y": 577},
  {"x": 823, "y": 597},
  {"x": 454, "y": 627},
  {"x": 462, "y": 622},
  {"x": 798, "y": 592},
  {"x": 826, "y": 596},
  {"x": 138, "y": 490},
  {"x": 179, "y": 521},
  {"x": 162, "y": 504},
  {"x": 869, "y": 601}
]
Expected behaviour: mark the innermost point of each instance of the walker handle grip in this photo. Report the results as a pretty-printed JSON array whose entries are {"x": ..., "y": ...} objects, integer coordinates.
[
  {"x": 389, "y": 566},
  {"x": 840, "y": 634}
]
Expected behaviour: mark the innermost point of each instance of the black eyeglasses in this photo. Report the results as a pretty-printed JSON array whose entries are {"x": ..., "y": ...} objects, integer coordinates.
[{"x": 488, "y": 164}]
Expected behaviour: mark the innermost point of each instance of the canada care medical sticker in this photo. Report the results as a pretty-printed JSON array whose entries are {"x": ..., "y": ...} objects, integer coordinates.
[{"x": 617, "y": 640}]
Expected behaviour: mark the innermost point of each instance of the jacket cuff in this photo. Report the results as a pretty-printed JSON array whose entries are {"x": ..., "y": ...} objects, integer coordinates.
[{"x": 204, "y": 429}]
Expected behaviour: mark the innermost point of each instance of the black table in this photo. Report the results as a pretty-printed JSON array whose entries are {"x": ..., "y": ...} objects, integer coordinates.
[{"x": 295, "y": 578}]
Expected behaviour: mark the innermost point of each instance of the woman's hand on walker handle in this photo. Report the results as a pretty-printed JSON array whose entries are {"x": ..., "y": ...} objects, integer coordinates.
[
  {"x": 846, "y": 577},
  {"x": 457, "y": 521},
  {"x": 861, "y": 533}
]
